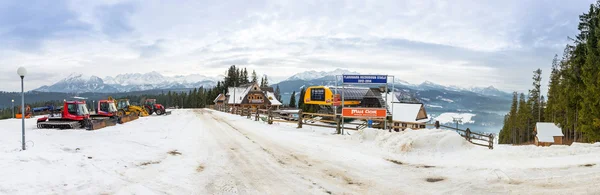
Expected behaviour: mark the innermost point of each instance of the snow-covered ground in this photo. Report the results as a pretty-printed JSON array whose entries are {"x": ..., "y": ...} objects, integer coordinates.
[{"x": 209, "y": 152}]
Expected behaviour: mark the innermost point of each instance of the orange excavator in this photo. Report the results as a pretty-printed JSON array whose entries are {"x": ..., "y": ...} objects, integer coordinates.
[{"x": 28, "y": 112}]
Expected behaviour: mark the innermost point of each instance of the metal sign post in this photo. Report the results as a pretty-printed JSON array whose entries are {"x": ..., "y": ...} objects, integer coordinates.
[{"x": 365, "y": 79}]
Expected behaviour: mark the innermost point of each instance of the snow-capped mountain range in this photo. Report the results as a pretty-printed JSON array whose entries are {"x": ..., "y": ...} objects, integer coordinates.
[{"x": 78, "y": 83}]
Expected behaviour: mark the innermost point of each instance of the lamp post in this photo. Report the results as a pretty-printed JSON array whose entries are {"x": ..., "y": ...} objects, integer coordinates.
[
  {"x": 22, "y": 72},
  {"x": 12, "y": 108}
]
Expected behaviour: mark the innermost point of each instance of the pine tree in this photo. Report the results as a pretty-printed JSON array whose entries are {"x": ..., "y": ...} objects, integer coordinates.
[
  {"x": 254, "y": 77},
  {"x": 262, "y": 82},
  {"x": 509, "y": 130},
  {"x": 293, "y": 100},
  {"x": 265, "y": 82},
  {"x": 534, "y": 96},
  {"x": 589, "y": 114},
  {"x": 245, "y": 77},
  {"x": 278, "y": 93},
  {"x": 553, "y": 92},
  {"x": 301, "y": 100},
  {"x": 523, "y": 119}
]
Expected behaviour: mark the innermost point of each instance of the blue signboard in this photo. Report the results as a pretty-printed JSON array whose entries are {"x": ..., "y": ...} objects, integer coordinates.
[{"x": 365, "y": 79}]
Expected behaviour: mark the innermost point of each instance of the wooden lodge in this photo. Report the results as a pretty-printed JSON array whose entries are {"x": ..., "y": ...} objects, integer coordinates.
[
  {"x": 252, "y": 96},
  {"x": 547, "y": 134}
]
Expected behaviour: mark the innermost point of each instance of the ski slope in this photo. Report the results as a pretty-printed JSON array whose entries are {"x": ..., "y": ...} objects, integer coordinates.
[{"x": 209, "y": 152}]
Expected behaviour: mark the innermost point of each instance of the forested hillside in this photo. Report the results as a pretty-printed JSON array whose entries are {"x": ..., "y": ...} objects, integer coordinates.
[{"x": 573, "y": 93}]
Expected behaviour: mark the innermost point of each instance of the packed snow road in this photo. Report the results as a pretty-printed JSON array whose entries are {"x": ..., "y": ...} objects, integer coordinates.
[{"x": 209, "y": 152}]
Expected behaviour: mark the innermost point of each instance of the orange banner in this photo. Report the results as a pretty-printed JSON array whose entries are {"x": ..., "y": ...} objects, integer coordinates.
[{"x": 364, "y": 112}]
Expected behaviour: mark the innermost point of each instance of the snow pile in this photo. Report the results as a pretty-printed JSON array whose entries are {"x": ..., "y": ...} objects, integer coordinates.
[{"x": 425, "y": 140}]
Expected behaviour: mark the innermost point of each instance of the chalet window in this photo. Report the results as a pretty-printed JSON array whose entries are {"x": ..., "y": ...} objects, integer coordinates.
[{"x": 317, "y": 94}]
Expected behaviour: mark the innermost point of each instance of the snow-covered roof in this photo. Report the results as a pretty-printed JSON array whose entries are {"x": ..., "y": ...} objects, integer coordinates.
[
  {"x": 547, "y": 131},
  {"x": 273, "y": 99},
  {"x": 406, "y": 112},
  {"x": 236, "y": 94}
]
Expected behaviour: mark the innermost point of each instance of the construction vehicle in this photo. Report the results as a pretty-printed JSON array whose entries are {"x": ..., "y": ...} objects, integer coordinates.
[
  {"x": 106, "y": 110},
  {"x": 152, "y": 107},
  {"x": 128, "y": 112},
  {"x": 28, "y": 112},
  {"x": 74, "y": 115}
]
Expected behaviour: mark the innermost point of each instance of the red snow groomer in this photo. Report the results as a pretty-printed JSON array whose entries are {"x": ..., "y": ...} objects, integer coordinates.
[
  {"x": 106, "y": 110},
  {"x": 74, "y": 115}
]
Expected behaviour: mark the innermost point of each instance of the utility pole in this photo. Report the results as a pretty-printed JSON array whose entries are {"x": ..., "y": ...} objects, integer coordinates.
[{"x": 457, "y": 120}]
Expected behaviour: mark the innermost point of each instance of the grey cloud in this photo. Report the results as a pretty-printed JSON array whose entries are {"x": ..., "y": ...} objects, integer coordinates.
[
  {"x": 25, "y": 25},
  {"x": 115, "y": 18}
]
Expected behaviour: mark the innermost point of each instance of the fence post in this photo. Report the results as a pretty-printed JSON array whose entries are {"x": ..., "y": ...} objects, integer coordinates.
[
  {"x": 491, "y": 141},
  {"x": 437, "y": 124},
  {"x": 257, "y": 115},
  {"x": 468, "y": 134},
  {"x": 300, "y": 118},
  {"x": 269, "y": 118},
  {"x": 338, "y": 127}
]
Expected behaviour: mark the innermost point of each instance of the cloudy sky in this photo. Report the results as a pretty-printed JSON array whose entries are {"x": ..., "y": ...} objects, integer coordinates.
[{"x": 461, "y": 42}]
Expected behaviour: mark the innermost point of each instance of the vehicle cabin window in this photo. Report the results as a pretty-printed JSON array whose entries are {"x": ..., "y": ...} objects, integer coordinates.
[
  {"x": 104, "y": 107},
  {"x": 317, "y": 94},
  {"x": 72, "y": 109}
]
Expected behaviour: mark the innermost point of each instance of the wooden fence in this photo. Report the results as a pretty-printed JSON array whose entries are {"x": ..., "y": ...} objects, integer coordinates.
[
  {"x": 334, "y": 121},
  {"x": 470, "y": 136}
]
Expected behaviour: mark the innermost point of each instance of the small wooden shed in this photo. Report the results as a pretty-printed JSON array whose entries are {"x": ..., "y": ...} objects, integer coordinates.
[{"x": 547, "y": 134}]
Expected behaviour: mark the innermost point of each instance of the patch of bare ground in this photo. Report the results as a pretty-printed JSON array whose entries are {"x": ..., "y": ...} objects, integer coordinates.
[
  {"x": 434, "y": 179},
  {"x": 149, "y": 163},
  {"x": 174, "y": 152}
]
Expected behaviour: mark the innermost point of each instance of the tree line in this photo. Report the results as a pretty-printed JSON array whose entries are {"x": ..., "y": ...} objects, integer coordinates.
[{"x": 573, "y": 91}]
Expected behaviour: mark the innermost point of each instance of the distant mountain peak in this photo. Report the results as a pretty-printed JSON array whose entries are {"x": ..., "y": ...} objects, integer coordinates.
[{"x": 77, "y": 82}]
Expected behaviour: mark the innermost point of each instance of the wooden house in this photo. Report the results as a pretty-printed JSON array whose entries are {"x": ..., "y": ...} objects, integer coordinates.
[
  {"x": 408, "y": 115},
  {"x": 547, "y": 134},
  {"x": 220, "y": 100}
]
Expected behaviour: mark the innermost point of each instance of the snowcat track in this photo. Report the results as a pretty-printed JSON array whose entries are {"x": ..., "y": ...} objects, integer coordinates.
[{"x": 59, "y": 125}]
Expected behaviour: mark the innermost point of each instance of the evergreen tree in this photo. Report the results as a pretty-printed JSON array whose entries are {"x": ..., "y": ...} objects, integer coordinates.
[
  {"x": 262, "y": 82},
  {"x": 278, "y": 93},
  {"x": 293, "y": 100},
  {"x": 534, "y": 96},
  {"x": 589, "y": 114},
  {"x": 245, "y": 77},
  {"x": 523, "y": 119},
  {"x": 254, "y": 77},
  {"x": 508, "y": 133},
  {"x": 301, "y": 100},
  {"x": 265, "y": 82},
  {"x": 553, "y": 92}
]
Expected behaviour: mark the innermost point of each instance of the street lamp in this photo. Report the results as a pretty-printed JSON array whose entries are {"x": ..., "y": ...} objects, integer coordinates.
[
  {"x": 22, "y": 72},
  {"x": 12, "y": 108}
]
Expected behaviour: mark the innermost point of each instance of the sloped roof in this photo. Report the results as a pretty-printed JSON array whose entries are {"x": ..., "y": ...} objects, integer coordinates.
[
  {"x": 406, "y": 112},
  {"x": 236, "y": 94},
  {"x": 217, "y": 99},
  {"x": 350, "y": 93},
  {"x": 547, "y": 131},
  {"x": 273, "y": 99}
]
